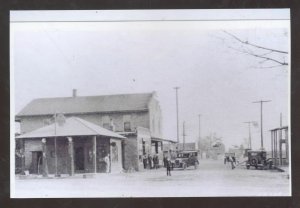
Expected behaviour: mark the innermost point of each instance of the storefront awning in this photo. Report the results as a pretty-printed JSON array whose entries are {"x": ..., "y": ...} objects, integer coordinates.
[{"x": 162, "y": 140}]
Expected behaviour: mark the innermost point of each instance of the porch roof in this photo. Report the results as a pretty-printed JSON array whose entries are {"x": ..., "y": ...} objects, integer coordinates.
[
  {"x": 72, "y": 126},
  {"x": 162, "y": 140}
]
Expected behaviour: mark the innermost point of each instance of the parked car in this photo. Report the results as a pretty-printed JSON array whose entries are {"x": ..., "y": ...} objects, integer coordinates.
[
  {"x": 258, "y": 159},
  {"x": 186, "y": 159}
]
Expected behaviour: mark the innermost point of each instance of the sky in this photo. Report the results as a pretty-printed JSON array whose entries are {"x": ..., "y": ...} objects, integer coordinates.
[{"x": 49, "y": 59}]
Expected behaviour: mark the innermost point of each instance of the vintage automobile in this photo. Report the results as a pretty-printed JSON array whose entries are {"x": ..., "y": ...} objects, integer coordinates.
[
  {"x": 186, "y": 159},
  {"x": 258, "y": 159}
]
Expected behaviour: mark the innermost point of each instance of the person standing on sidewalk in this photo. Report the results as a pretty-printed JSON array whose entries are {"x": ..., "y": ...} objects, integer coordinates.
[
  {"x": 150, "y": 161},
  {"x": 169, "y": 167},
  {"x": 107, "y": 161},
  {"x": 145, "y": 161},
  {"x": 231, "y": 161}
]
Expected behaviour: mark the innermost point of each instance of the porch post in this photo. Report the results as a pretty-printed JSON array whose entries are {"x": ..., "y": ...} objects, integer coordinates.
[
  {"x": 287, "y": 145},
  {"x": 45, "y": 166},
  {"x": 275, "y": 143},
  {"x": 280, "y": 147},
  {"x": 272, "y": 145},
  {"x": 23, "y": 155},
  {"x": 95, "y": 153},
  {"x": 71, "y": 157}
]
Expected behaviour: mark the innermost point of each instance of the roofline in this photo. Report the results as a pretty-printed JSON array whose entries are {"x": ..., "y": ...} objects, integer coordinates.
[
  {"x": 20, "y": 136},
  {"x": 17, "y": 117},
  {"x": 279, "y": 128},
  {"x": 189, "y": 151},
  {"x": 163, "y": 140},
  {"x": 85, "y": 96},
  {"x": 126, "y": 133}
]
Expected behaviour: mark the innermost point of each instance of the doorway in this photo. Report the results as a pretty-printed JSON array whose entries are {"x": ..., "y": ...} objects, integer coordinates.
[
  {"x": 79, "y": 159},
  {"x": 37, "y": 161}
]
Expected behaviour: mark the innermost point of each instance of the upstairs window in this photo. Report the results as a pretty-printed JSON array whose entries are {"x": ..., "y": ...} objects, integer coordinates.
[
  {"x": 127, "y": 126},
  {"x": 127, "y": 123},
  {"x": 106, "y": 126}
]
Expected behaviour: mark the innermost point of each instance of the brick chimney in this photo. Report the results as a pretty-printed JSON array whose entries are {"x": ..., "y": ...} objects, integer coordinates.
[{"x": 74, "y": 93}]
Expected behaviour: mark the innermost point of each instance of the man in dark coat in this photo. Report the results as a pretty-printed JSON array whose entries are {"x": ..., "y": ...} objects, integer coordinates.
[
  {"x": 165, "y": 161},
  {"x": 169, "y": 167},
  {"x": 145, "y": 161},
  {"x": 155, "y": 161},
  {"x": 231, "y": 161},
  {"x": 150, "y": 161}
]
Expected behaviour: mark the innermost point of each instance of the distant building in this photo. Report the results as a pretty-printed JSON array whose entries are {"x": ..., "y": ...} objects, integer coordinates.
[
  {"x": 239, "y": 151},
  {"x": 216, "y": 151},
  {"x": 135, "y": 116},
  {"x": 170, "y": 149}
]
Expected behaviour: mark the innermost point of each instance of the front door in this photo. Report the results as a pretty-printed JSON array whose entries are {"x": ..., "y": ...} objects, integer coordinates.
[
  {"x": 79, "y": 159},
  {"x": 37, "y": 161}
]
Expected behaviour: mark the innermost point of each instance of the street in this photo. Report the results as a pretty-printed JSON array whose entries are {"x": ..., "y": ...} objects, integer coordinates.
[{"x": 212, "y": 178}]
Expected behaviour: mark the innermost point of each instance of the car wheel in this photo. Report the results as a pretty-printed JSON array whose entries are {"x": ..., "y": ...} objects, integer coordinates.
[{"x": 271, "y": 165}]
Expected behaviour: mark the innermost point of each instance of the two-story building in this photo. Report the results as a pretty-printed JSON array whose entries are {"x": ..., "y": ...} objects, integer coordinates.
[{"x": 135, "y": 116}]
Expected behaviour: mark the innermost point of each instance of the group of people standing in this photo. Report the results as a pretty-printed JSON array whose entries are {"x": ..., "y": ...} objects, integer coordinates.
[
  {"x": 231, "y": 159},
  {"x": 151, "y": 162}
]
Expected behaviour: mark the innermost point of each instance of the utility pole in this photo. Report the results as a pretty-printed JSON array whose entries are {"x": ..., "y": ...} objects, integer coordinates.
[
  {"x": 176, "y": 89},
  {"x": 199, "y": 127},
  {"x": 199, "y": 141},
  {"x": 55, "y": 146},
  {"x": 261, "y": 120},
  {"x": 183, "y": 135},
  {"x": 249, "y": 125}
]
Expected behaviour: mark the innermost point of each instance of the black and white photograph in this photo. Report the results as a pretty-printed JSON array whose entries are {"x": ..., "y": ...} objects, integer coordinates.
[{"x": 150, "y": 103}]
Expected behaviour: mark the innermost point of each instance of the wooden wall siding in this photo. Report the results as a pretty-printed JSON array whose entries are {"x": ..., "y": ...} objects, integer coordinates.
[
  {"x": 31, "y": 145},
  {"x": 103, "y": 148},
  {"x": 130, "y": 153},
  {"x": 63, "y": 162},
  {"x": 116, "y": 155},
  {"x": 30, "y": 123},
  {"x": 155, "y": 118}
]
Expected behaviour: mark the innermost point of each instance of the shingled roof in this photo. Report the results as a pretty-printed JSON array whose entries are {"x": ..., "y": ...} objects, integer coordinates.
[
  {"x": 87, "y": 104},
  {"x": 72, "y": 127}
]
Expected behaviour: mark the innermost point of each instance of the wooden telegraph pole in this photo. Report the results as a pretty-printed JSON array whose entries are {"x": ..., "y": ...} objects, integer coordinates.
[
  {"x": 261, "y": 121},
  {"x": 183, "y": 135},
  {"x": 177, "y": 117}
]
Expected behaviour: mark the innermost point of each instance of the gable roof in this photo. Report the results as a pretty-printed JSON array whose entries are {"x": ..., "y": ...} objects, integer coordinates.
[
  {"x": 72, "y": 127},
  {"x": 87, "y": 104}
]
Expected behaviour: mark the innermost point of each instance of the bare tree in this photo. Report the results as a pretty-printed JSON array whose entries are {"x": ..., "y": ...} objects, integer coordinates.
[{"x": 270, "y": 57}]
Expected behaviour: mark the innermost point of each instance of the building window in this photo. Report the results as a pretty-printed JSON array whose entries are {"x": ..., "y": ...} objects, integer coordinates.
[
  {"x": 126, "y": 122},
  {"x": 105, "y": 121},
  {"x": 47, "y": 121},
  {"x": 106, "y": 126},
  {"x": 154, "y": 147},
  {"x": 127, "y": 126}
]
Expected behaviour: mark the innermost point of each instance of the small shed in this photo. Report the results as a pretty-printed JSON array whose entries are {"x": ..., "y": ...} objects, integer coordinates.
[{"x": 69, "y": 146}]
